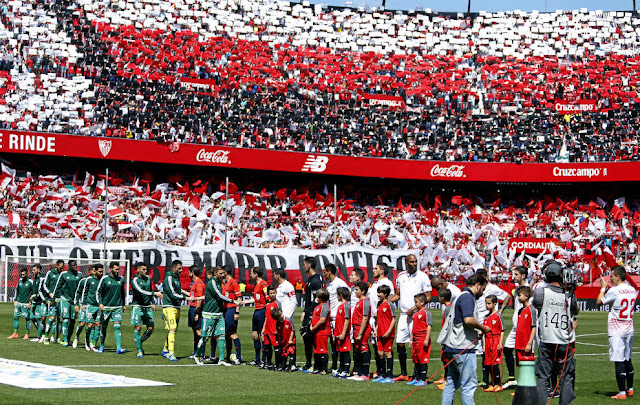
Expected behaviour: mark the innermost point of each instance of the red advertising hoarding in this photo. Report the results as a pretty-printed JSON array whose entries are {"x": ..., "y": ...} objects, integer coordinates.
[{"x": 302, "y": 162}]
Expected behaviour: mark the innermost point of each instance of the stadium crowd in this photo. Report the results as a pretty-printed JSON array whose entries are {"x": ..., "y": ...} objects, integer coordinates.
[
  {"x": 300, "y": 77},
  {"x": 459, "y": 232}
]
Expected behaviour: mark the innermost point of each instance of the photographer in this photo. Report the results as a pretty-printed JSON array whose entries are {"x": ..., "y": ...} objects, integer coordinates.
[{"x": 557, "y": 305}]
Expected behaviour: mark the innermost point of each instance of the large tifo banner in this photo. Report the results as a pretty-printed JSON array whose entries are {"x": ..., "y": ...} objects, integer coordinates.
[
  {"x": 302, "y": 162},
  {"x": 159, "y": 255}
]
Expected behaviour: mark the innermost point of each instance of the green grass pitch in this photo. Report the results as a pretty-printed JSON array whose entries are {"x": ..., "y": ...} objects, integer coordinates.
[{"x": 242, "y": 384}]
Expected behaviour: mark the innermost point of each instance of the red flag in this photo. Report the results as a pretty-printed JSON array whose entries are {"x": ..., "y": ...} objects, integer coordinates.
[
  {"x": 200, "y": 188},
  {"x": 282, "y": 194},
  {"x": 521, "y": 225},
  {"x": 584, "y": 224},
  {"x": 421, "y": 210},
  {"x": 572, "y": 219},
  {"x": 183, "y": 189},
  {"x": 437, "y": 204},
  {"x": 407, "y": 208},
  {"x": 466, "y": 201},
  {"x": 539, "y": 206},
  {"x": 625, "y": 208},
  {"x": 593, "y": 206},
  {"x": 250, "y": 199},
  {"x": 195, "y": 201},
  {"x": 616, "y": 212},
  {"x": 264, "y": 193},
  {"x": 496, "y": 203},
  {"x": 294, "y": 195},
  {"x": 530, "y": 203},
  {"x": 456, "y": 199},
  {"x": 400, "y": 206},
  {"x": 319, "y": 197},
  {"x": 509, "y": 211},
  {"x": 601, "y": 214}
]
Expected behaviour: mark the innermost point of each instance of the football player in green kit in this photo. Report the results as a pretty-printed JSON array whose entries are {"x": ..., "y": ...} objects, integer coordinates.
[
  {"x": 68, "y": 285},
  {"x": 110, "y": 297},
  {"x": 142, "y": 307},
  {"x": 22, "y": 303},
  {"x": 80, "y": 306}
]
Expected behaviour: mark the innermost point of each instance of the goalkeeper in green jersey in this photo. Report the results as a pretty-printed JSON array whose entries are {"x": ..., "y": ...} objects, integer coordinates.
[
  {"x": 110, "y": 297},
  {"x": 213, "y": 324},
  {"x": 50, "y": 286},
  {"x": 68, "y": 285},
  {"x": 80, "y": 306},
  {"x": 22, "y": 303},
  {"x": 142, "y": 307},
  {"x": 93, "y": 310}
]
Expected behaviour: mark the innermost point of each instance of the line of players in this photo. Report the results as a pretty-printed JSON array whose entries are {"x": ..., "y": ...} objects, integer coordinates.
[{"x": 347, "y": 318}]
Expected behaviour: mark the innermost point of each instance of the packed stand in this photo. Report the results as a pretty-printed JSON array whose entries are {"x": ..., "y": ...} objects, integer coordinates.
[
  {"x": 298, "y": 77},
  {"x": 459, "y": 233}
]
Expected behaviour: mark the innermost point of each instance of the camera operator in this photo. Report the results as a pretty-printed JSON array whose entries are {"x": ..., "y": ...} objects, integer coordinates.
[{"x": 557, "y": 306}]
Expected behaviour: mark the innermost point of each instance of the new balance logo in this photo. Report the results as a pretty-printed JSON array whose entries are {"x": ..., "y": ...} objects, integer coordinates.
[{"x": 315, "y": 164}]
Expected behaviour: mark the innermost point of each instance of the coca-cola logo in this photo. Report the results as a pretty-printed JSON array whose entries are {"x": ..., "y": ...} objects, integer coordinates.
[
  {"x": 219, "y": 156},
  {"x": 456, "y": 171}
]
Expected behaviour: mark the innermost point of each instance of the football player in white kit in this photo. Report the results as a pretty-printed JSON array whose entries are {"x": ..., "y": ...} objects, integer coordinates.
[
  {"x": 622, "y": 299},
  {"x": 409, "y": 283},
  {"x": 520, "y": 274},
  {"x": 332, "y": 283}
]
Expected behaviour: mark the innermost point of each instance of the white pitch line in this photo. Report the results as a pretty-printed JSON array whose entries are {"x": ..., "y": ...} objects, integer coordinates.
[
  {"x": 592, "y": 334},
  {"x": 591, "y": 344},
  {"x": 137, "y": 365},
  {"x": 597, "y": 354}
]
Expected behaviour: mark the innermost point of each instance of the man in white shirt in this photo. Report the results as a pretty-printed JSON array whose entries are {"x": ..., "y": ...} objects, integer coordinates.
[
  {"x": 622, "y": 298},
  {"x": 438, "y": 284},
  {"x": 520, "y": 274},
  {"x": 332, "y": 283},
  {"x": 408, "y": 284},
  {"x": 285, "y": 294}
]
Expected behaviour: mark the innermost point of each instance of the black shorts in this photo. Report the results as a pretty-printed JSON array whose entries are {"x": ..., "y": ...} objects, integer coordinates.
[
  {"x": 230, "y": 323},
  {"x": 194, "y": 324},
  {"x": 258, "y": 320}
]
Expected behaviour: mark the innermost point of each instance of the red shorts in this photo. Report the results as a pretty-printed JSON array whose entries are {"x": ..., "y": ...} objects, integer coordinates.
[
  {"x": 270, "y": 339},
  {"x": 420, "y": 354},
  {"x": 343, "y": 345},
  {"x": 363, "y": 346},
  {"x": 320, "y": 344},
  {"x": 385, "y": 344},
  {"x": 492, "y": 356}
]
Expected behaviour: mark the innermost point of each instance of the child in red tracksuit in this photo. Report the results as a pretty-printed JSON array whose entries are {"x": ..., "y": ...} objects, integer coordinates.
[
  {"x": 269, "y": 327},
  {"x": 421, "y": 340},
  {"x": 286, "y": 339},
  {"x": 341, "y": 331},
  {"x": 321, "y": 329},
  {"x": 493, "y": 345}
]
